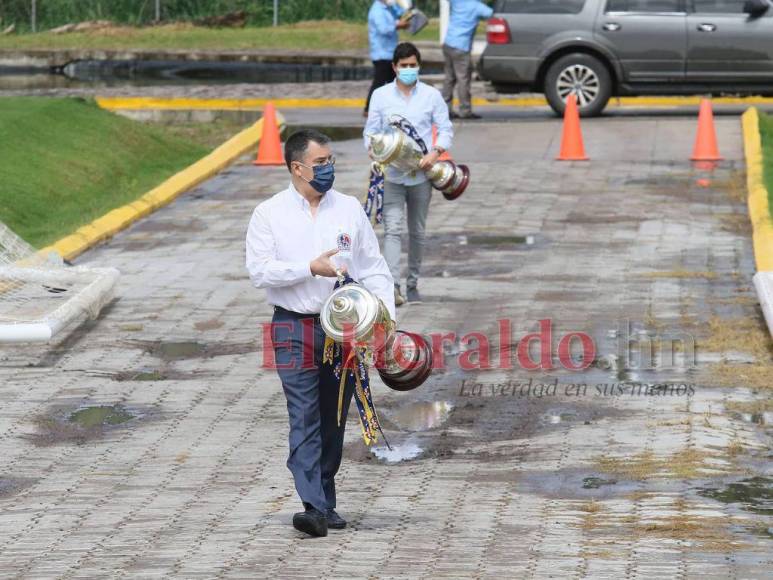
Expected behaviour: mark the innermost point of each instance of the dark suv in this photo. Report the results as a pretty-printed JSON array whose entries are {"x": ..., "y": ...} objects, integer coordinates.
[{"x": 600, "y": 48}]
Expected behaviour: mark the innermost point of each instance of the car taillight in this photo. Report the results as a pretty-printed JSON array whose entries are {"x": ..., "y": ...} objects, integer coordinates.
[{"x": 497, "y": 31}]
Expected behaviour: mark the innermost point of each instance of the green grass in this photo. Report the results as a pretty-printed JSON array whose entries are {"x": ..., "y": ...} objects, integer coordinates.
[
  {"x": 209, "y": 135},
  {"x": 766, "y": 132},
  {"x": 303, "y": 37},
  {"x": 65, "y": 162}
]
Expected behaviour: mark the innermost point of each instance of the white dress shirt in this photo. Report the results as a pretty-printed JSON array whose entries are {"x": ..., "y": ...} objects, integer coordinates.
[
  {"x": 424, "y": 107},
  {"x": 283, "y": 238}
]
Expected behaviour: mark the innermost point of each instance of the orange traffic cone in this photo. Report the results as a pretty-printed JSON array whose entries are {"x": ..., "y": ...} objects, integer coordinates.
[
  {"x": 706, "y": 139},
  {"x": 270, "y": 148},
  {"x": 572, "y": 148},
  {"x": 445, "y": 156}
]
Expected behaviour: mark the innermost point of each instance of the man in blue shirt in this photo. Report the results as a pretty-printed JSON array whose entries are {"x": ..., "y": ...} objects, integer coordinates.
[
  {"x": 424, "y": 107},
  {"x": 383, "y": 24},
  {"x": 462, "y": 23}
]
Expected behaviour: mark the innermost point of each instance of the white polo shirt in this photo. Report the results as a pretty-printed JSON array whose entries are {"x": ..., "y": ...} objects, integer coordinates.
[{"x": 283, "y": 238}]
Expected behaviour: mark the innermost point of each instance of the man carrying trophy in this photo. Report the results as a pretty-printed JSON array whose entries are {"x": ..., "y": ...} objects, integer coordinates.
[
  {"x": 298, "y": 242},
  {"x": 422, "y": 106}
]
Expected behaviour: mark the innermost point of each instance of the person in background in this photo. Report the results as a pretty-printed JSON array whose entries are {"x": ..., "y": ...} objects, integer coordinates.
[
  {"x": 423, "y": 106},
  {"x": 457, "y": 47},
  {"x": 383, "y": 24}
]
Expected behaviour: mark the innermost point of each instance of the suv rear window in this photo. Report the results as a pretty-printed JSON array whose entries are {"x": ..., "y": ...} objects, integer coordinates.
[
  {"x": 540, "y": 6},
  {"x": 718, "y": 6},
  {"x": 645, "y": 6}
]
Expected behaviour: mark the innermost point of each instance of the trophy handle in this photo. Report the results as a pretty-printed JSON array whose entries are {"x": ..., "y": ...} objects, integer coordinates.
[{"x": 340, "y": 275}]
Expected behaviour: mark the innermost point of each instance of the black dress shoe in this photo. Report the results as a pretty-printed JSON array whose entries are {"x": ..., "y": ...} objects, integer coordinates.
[
  {"x": 453, "y": 115},
  {"x": 470, "y": 117},
  {"x": 312, "y": 522},
  {"x": 334, "y": 521}
]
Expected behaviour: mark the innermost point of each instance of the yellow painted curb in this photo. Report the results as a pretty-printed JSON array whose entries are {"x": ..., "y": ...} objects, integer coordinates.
[
  {"x": 120, "y": 218},
  {"x": 185, "y": 104},
  {"x": 759, "y": 211}
]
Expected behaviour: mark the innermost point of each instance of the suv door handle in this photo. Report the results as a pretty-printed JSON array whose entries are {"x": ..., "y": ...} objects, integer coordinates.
[
  {"x": 706, "y": 27},
  {"x": 611, "y": 26}
]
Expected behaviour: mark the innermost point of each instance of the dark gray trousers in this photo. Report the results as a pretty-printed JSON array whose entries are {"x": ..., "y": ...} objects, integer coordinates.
[
  {"x": 311, "y": 390},
  {"x": 458, "y": 73}
]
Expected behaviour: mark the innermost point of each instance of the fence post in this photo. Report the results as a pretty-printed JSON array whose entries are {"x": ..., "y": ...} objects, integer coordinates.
[
  {"x": 34, "y": 16},
  {"x": 158, "y": 10},
  {"x": 276, "y": 12}
]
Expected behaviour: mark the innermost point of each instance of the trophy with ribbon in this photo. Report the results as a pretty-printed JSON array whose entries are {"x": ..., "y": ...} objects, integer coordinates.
[
  {"x": 400, "y": 146},
  {"x": 359, "y": 332}
]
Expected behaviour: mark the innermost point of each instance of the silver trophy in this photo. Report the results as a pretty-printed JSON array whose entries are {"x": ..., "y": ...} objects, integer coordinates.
[
  {"x": 354, "y": 313},
  {"x": 394, "y": 147}
]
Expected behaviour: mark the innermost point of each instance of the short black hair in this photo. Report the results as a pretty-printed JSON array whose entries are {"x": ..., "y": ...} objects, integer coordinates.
[
  {"x": 298, "y": 143},
  {"x": 405, "y": 50}
]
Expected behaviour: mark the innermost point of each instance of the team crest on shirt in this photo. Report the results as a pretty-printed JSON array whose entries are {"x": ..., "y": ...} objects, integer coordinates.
[{"x": 344, "y": 242}]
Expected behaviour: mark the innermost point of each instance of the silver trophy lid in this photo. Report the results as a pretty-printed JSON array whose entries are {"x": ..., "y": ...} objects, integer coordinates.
[
  {"x": 351, "y": 311},
  {"x": 384, "y": 145}
]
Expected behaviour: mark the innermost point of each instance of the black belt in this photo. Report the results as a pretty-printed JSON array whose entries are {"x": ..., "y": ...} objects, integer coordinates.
[{"x": 281, "y": 310}]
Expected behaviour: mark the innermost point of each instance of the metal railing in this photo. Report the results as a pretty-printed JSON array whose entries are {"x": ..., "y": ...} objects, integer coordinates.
[{"x": 38, "y": 15}]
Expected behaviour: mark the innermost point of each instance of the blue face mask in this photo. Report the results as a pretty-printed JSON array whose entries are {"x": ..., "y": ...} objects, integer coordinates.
[
  {"x": 324, "y": 176},
  {"x": 408, "y": 76}
]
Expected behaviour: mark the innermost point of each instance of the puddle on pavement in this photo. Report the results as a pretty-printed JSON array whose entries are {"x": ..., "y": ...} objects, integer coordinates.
[
  {"x": 181, "y": 350},
  {"x": 495, "y": 240},
  {"x": 90, "y": 417},
  {"x": 177, "y": 350},
  {"x": 141, "y": 376},
  {"x": 79, "y": 425},
  {"x": 421, "y": 416},
  {"x": 13, "y": 485},
  {"x": 498, "y": 240},
  {"x": 556, "y": 416},
  {"x": 596, "y": 482},
  {"x": 575, "y": 483},
  {"x": 399, "y": 452},
  {"x": 754, "y": 494},
  {"x": 765, "y": 418},
  {"x": 162, "y": 374},
  {"x": 600, "y": 219},
  {"x": 762, "y": 531}
]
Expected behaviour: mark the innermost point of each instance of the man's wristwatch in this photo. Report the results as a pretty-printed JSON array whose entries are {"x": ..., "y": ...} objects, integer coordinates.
[{"x": 438, "y": 149}]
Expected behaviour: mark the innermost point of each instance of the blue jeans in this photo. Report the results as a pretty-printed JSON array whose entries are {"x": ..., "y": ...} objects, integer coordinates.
[{"x": 311, "y": 390}]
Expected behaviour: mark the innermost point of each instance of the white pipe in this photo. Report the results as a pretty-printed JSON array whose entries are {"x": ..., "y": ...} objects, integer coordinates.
[
  {"x": 763, "y": 282},
  {"x": 35, "y": 332}
]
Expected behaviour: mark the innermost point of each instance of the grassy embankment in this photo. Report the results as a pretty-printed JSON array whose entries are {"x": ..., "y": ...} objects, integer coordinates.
[
  {"x": 65, "y": 162},
  {"x": 325, "y": 35},
  {"x": 766, "y": 132}
]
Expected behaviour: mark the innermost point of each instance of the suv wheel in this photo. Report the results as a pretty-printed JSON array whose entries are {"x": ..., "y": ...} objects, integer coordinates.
[{"x": 581, "y": 74}]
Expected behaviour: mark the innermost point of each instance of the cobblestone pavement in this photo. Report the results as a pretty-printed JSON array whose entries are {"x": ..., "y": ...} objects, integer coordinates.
[{"x": 492, "y": 484}]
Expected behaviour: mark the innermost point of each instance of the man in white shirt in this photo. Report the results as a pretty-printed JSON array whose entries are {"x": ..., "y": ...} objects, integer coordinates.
[
  {"x": 424, "y": 107},
  {"x": 296, "y": 241}
]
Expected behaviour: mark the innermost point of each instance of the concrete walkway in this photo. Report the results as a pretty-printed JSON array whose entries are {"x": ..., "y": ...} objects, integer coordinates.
[{"x": 612, "y": 484}]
